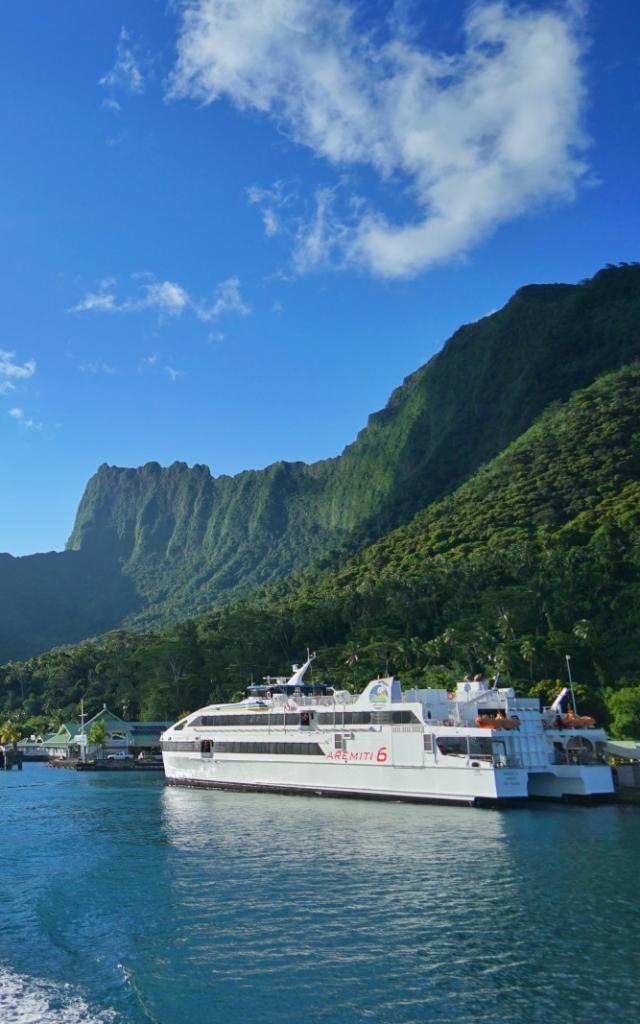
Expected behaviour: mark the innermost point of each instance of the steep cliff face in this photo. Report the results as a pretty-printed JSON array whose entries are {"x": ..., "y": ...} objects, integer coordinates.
[
  {"x": 179, "y": 539},
  {"x": 224, "y": 536}
]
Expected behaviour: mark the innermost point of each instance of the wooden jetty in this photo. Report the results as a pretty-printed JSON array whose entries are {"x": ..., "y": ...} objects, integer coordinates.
[{"x": 10, "y": 758}]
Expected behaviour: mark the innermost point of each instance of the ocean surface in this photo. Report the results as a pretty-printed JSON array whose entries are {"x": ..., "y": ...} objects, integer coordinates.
[{"x": 125, "y": 902}]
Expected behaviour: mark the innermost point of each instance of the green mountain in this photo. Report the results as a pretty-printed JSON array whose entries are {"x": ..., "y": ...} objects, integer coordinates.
[
  {"x": 535, "y": 556},
  {"x": 153, "y": 545}
]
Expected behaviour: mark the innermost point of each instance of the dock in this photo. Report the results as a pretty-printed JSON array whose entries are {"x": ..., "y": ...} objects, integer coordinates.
[
  {"x": 75, "y": 764},
  {"x": 10, "y": 758}
]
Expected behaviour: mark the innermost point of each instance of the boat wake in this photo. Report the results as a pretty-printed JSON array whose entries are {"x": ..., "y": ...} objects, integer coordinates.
[{"x": 28, "y": 1000}]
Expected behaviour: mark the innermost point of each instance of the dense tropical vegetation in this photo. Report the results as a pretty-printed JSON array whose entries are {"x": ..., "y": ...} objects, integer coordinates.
[
  {"x": 535, "y": 556},
  {"x": 152, "y": 546}
]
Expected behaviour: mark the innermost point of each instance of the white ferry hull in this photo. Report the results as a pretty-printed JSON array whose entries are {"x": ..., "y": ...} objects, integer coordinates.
[
  {"x": 479, "y": 746},
  {"x": 442, "y": 784},
  {"x": 573, "y": 783}
]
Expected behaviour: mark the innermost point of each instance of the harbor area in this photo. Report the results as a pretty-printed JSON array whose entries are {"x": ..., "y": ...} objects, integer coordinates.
[{"x": 104, "y": 742}]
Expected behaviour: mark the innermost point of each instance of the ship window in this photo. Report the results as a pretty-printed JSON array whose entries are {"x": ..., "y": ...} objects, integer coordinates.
[
  {"x": 453, "y": 746},
  {"x": 242, "y": 747},
  {"x": 180, "y": 725},
  {"x": 340, "y": 741},
  {"x": 499, "y": 752},
  {"x": 480, "y": 747},
  {"x": 403, "y": 717},
  {"x": 428, "y": 741},
  {"x": 340, "y": 717},
  {"x": 229, "y": 721}
]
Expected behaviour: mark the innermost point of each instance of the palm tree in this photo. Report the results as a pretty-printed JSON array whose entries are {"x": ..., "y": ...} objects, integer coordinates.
[
  {"x": 9, "y": 733},
  {"x": 98, "y": 735}
]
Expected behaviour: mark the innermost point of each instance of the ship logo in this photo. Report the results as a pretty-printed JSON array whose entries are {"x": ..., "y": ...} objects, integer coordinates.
[{"x": 378, "y": 694}]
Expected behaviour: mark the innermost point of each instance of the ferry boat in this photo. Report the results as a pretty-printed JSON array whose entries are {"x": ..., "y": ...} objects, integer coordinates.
[{"x": 478, "y": 745}]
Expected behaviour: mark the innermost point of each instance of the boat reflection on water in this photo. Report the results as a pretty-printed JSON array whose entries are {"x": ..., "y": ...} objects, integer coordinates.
[{"x": 314, "y": 894}]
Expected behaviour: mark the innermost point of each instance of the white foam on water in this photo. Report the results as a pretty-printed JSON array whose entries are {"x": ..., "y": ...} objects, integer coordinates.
[{"x": 27, "y": 1000}]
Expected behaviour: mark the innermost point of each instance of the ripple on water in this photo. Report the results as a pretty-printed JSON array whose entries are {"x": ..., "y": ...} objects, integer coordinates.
[{"x": 166, "y": 905}]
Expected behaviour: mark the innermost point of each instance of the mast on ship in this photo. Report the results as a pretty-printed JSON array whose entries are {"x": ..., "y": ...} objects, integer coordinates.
[{"x": 298, "y": 672}]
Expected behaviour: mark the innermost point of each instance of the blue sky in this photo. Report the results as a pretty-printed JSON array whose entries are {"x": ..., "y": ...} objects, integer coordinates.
[{"x": 231, "y": 228}]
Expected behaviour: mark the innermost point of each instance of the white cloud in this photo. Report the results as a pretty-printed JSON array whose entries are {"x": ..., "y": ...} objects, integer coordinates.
[
  {"x": 319, "y": 237},
  {"x": 164, "y": 297},
  {"x": 104, "y": 303},
  {"x": 96, "y": 366},
  {"x": 227, "y": 300},
  {"x": 271, "y": 200},
  {"x": 271, "y": 223},
  {"x": 24, "y": 421},
  {"x": 472, "y": 139},
  {"x": 126, "y": 73},
  {"x": 10, "y": 369},
  {"x": 173, "y": 374}
]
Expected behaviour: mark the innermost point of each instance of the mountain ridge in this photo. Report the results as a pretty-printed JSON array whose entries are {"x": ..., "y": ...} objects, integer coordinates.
[
  {"x": 535, "y": 556},
  {"x": 173, "y": 541}
]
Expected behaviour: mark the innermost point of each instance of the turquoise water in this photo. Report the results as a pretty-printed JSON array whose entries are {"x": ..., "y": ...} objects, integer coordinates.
[{"x": 124, "y": 901}]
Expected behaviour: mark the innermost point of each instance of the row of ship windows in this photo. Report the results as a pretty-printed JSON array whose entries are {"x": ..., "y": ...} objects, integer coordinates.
[
  {"x": 323, "y": 718},
  {"x": 241, "y": 747}
]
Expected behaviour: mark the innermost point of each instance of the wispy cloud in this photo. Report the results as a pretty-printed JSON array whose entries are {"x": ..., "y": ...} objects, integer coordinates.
[
  {"x": 96, "y": 366},
  {"x": 273, "y": 202},
  {"x": 173, "y": 374},
  {"x": 127, "y": 71},
  {"x": 166, "y": 298},
  {"x": 227, "y": 300},
  {"x": 24, "y": 421},
  {"x": 469, "y": 139},
  {"x": 10, "y": 371},
  {"x": 97, "y": 301},
  {"x": 110, "y": 104}
]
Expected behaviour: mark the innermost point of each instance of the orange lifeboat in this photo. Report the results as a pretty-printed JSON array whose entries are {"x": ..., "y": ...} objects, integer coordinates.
[
  {"x": 487, "y": 722},
  {"x": 571, "y": 721}
]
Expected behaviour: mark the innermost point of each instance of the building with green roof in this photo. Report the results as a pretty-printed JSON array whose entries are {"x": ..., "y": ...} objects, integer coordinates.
[{"x": 122, "y": 738}]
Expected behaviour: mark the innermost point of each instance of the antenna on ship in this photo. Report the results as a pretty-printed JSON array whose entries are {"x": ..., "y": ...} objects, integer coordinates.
[{"x": 567, "y": 658}]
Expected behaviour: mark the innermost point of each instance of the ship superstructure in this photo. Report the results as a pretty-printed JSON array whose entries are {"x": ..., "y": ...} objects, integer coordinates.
[{"x": 478, "y": 745}]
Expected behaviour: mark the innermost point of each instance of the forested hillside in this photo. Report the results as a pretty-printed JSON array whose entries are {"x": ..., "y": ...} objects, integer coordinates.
[
  {"x": 535, "y": 556},
  {"x": 153, "y": 545}
]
